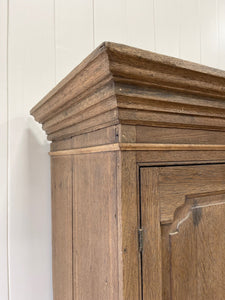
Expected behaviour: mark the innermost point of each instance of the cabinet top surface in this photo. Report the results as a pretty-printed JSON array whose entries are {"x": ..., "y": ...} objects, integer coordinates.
[{"x": 118, "y": 84}]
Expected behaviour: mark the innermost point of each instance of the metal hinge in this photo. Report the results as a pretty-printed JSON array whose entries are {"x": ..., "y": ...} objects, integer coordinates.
[{"x": 140, "y": 239}]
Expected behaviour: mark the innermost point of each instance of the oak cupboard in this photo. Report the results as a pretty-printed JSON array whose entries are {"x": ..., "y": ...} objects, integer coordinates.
[{"x": 138, "y": 178}]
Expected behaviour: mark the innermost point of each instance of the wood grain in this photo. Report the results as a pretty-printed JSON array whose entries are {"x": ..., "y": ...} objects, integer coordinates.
[
  {"x": 188, "y": 250},
  {"x": 94, "y": 123},
  {"x": 138, "y": 143},
  {"x": 199, "y": 238},
  {"x": 179, "y": 157},
  {"x": 63, "y": 93},
  {"x": 139, "y": 147},
  {"x": 141, "y": 135},
  {"x": 118, "y": 84},
  {"x": 186, "y": 180},
  {"x": 146, "y": 134},
  {"x": 62, "y": 231},
  {"x": 129, "y": 225},
  {"x": 97, "y": 103},
  {"x": 95, "y": 235},
  {"x": 169, "y": 147},
  {"x": 109, "y": 135},
  {"x": 150, "y": 222},
  {"x": 95, "y": 149}
]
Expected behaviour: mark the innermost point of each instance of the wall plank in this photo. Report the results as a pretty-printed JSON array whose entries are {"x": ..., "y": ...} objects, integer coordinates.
[
  {"x": 209, "y": 32},
  {"x": 73, "y": 34},
  {"x": 140, "y": 24},
  {"x": 167, "y": 27},
  {"x": 31, "y": 75},
  {"x": 221, "y": 33},
  {"x": 189, "y": 31},
  {"x": 110, "y": 21},
  {"x": 3, "y": 152},
  {"x": 127, "y": 22}
]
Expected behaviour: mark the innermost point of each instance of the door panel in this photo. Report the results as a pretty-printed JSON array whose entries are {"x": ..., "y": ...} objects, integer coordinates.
[
  {"x": 176, "y": 183},
  {"x": 183, "y": 217},
  {"x": 197, "y": 252}
]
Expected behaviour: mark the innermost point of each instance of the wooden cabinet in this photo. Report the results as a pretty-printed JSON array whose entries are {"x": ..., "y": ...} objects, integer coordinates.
[{"x": 138, "y": 178}]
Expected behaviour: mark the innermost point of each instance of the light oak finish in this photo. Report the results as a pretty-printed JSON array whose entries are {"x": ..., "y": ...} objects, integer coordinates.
[
  {"x": 150, "y": 216},
  {"x": 192, "y": 241},
  {"x": 96, "y": 149},
  {"x": 138, "y": 147},
  {"x": 129, "y": 214},
  {"x": 138, "y": 178},
  {"x": 118, "y": 84},
  {"x": 200, "y": 238},
  {"x": 62, "y": 176},
  {"x": 95, "y": 234}
]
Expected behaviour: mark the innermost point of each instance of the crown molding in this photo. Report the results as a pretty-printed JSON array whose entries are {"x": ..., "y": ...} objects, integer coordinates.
[{"x": 118, "y": 84}]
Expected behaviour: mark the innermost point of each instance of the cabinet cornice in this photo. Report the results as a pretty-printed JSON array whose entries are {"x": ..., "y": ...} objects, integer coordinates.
[{"x": 118, "y": 84}]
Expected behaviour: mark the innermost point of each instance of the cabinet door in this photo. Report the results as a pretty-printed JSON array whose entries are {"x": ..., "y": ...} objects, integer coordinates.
[{"x": 183, "y": 221}]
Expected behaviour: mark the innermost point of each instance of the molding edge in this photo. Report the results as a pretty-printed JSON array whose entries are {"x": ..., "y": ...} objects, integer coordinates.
[{"x": 139, "y": 147}]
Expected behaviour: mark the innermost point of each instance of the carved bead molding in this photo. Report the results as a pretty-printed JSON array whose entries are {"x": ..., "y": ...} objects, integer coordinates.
[{"x": 118, "y": 84}]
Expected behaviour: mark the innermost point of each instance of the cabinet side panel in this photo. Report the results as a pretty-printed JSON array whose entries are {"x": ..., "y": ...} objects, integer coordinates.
[
  {"x": 61, "y": 168},
  {"x": 95, "y": 220}
]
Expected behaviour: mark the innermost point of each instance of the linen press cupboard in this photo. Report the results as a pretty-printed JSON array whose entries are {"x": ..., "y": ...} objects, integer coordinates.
[{"x": 138, "y": 178}]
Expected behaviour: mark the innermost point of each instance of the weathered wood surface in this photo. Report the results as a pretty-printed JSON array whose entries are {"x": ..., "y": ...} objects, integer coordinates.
[
  {"x": 118, "y": 84},
  {"x": 138, "y": 142},
  {"x": 183, "y": 210},
  {"x": 62, "y": 239},
  {"x": 95, "y": 227}
]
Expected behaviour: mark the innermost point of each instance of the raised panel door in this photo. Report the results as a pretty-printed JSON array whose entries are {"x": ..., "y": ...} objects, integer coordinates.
[{"x": 183, "y": 220}]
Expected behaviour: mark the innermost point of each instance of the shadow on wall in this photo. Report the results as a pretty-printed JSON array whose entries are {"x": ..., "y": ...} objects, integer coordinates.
[{"x": 30, "y": 212}]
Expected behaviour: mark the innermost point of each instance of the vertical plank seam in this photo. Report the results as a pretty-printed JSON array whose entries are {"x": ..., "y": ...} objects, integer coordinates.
[
  {"x": 218, "y": 33},
  {"x": 154, "y": 24},
  {"x": 93, "y": 24},
  {"x": 54, "y": 38},
  {"x": 179, "y": 28},
  {"x": 7, "y": 150},
  {"x": 200, "y": 30},
  {"x": 126, "y": 22}
]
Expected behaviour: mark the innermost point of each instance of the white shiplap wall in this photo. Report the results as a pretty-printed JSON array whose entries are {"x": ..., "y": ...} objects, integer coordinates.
[
  {"x": 31, "y": 73},
  {"x": 40, "y": 42},
  {"x": 3, "y": 151}
]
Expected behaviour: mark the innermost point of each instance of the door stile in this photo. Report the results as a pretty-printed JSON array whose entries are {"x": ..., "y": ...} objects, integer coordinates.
[{"x": 150, "y": 219}]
